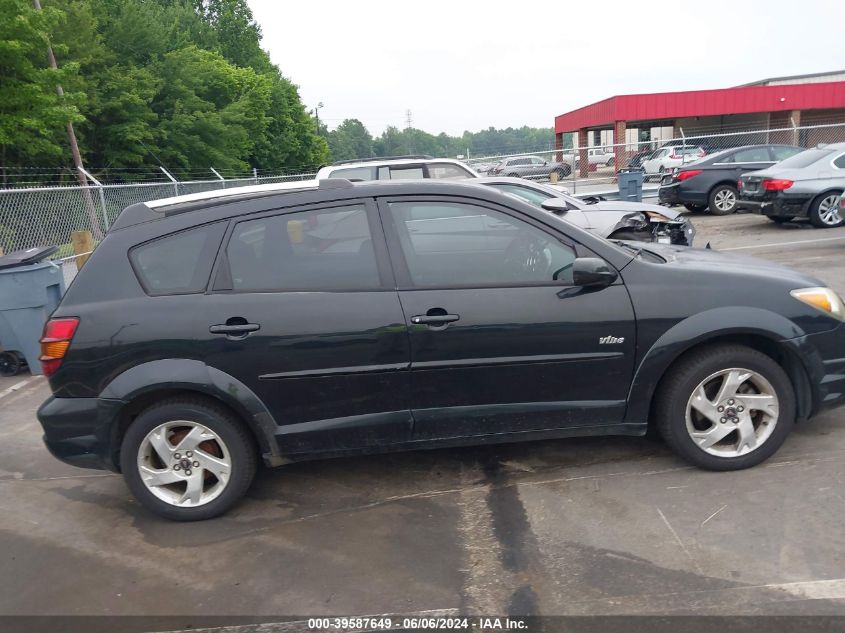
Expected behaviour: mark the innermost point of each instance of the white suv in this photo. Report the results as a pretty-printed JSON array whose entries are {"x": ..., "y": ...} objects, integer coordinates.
[{"x": 398, "y": 168}]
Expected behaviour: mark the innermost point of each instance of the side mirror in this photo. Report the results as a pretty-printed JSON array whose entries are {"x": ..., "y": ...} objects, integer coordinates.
[
  {"x": 557, "y": 206},
  {"x": 592, "y": 271}
]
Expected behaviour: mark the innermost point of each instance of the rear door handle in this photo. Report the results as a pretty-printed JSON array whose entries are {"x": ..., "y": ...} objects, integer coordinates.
[
  {"x": 242, "y": 328},
  {"x": 434, "y": 319}
]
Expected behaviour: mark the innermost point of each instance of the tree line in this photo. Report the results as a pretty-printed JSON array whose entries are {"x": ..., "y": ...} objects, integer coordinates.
[
  {"x": 177, "y": 83},
  {"x": 183, "y": 84},
  {"x": 351, "y": 140}
]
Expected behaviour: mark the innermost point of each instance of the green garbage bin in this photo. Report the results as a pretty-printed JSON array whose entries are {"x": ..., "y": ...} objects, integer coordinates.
[{"x": 30, "y": 290}]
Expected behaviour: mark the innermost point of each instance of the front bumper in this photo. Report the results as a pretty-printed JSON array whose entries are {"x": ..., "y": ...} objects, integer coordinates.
[
  {"x": 824, "y": 359},
  {"x": 80, "y": 431}
]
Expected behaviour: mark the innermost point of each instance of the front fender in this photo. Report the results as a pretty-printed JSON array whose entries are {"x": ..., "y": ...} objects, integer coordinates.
[
  {"x": 697, "y": 329},
  {"x": 194, "y": 375}
]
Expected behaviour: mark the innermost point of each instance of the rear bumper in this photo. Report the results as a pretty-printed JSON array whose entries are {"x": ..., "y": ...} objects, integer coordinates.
[
  {"x": 777, "y": 206},
  {"x": 673, "y": 194},
  {"x": 78, "y": 431}
]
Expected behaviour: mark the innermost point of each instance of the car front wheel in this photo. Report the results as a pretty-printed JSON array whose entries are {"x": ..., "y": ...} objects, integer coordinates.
[
  {"x": 723, "y": 200},
  {"x": 725, "y": 407},
  {"x": 824, "y": 211},
  {"x": 187, "y": 459}
]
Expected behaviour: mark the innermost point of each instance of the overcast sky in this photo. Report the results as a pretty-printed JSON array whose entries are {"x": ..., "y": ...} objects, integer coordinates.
[{"x": 461, "y": 65}]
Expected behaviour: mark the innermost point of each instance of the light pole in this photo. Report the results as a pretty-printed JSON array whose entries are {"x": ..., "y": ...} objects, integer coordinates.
[{"x": 317, "y": 116}]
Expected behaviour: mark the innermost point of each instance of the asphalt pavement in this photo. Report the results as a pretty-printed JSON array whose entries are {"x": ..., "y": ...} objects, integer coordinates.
[{"x": 579, "y": 526}]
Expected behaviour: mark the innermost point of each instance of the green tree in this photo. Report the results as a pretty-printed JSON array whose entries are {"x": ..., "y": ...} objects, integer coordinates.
[
  {"x": 33, "y": 117},
  {"x": 350, "y": 140}
]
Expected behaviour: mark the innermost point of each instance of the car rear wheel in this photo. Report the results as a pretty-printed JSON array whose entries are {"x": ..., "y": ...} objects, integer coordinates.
[
  {"x": 10, "y": 364},
  {"x": 187, "y": 459},
  {"x": 725, "y": 407},
  {"x": 723, "y": 200},
  {"x": 824, "y": 211},
  {"x": 561, "y": 173},
  {"x": 695, "y": 208}
]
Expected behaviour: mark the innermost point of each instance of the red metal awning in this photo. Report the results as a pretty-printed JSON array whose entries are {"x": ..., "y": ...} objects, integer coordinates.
[{"x": 725, "y": 101}]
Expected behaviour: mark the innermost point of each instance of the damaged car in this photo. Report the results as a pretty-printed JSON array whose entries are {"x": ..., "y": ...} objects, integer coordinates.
[{"x": 613, "y": 219}]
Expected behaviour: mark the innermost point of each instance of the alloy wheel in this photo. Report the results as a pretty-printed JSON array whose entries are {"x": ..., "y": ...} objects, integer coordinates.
[
  {"x": 184, "y": 463},
  {"x": 725, "y": 200},
  {"x": 732, "y": 412},
  {"x": 829, "y": 210}
]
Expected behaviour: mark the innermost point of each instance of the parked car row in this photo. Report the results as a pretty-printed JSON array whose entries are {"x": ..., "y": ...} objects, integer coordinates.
[{"x": 781, "y": 182}]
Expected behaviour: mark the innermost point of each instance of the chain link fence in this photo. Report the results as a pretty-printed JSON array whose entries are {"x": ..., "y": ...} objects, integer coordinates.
[
  {"x": 592, "y": 169},
  {"x": 38, "y": 216}
]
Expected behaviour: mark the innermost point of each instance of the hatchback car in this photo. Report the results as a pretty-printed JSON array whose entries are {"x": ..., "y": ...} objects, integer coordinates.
[
  {"x": 711, "y": 183},
  {"x": 807, "y": 185},
  {"x": 209, "y": 332}
]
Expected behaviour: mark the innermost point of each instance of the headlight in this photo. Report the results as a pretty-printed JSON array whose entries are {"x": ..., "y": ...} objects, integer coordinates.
[
  {"x": 654, "y": 215},
  {"x": 823, "y": 299}
]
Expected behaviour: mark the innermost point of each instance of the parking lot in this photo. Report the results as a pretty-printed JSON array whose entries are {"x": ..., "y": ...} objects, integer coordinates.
[{"x": 578, "y": 526}]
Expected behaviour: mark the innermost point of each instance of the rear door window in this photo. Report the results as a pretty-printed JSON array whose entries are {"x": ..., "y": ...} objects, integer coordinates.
[
  {"x": 316, "y": 250},
  {"x": 782, "y": 153},
  {"x": 752, "y": 155},
  {"x": 447, "y": 171},
  {"x": 354, "y": 173},
  {"x": 179, "y": 263}
]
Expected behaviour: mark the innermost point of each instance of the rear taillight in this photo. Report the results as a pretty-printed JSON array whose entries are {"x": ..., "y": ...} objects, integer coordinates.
[
  {"x": 58, "y": 334},
  {"x": 686, "y": 175},
  {"x": 777, "y": 184},
  {"x": 739, "y": 184}
]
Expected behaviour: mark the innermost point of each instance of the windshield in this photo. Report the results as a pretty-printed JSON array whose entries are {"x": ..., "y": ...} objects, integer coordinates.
[{"x": 805, "y": 158}]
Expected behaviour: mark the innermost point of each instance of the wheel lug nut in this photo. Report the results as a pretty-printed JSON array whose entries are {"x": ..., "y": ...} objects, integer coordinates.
[
  {"x": 188, "y": 472},
  {"x": 720, "y": 409},
  {"x": 189, "y": 454},
  {"x": 723, "y": 420},
  {"x": 730, "y": 401},
  {"x": 740, "y": 409},
  {"x": 177, "y": 456},
  {"x": 177, "y": 467},
  {"x": 196, "y": 464}
]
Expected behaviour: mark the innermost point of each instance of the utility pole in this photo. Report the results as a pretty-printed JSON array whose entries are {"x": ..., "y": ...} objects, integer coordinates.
[
  {"x": 409, "y": 122},
  {"x": 317, "y": 116},
  {"x": 74, "y": 150}
]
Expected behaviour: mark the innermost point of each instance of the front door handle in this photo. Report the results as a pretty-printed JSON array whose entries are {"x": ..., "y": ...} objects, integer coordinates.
[
  {"x": 434, "y": 319},
  {"x": 235, "y": 328}
]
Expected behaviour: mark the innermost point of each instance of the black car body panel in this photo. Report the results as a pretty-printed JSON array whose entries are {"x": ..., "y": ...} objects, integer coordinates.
[
  {"x": 722, "y": 168},
  {"x": 359, "y": 370}
]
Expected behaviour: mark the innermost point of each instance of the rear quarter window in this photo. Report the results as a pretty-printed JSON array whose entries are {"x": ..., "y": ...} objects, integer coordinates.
[{"x": 179, "y": 263}]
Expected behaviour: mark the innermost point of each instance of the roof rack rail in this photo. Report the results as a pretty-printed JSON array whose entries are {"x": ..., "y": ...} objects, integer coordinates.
[{"x": 367, "y": 160}]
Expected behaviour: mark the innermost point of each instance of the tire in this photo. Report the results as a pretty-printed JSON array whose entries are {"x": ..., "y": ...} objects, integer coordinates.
[
  {"x": 10, "y": 364},
  {"x": 610, "y": 162},
  {"x": 779, "y": 219},
  {"x": 723, "y": 200},
  {"x": 514, "y": 176},
  {"x": 238, "y": 450},
  {"x": 695, "y": 208},
  {"x": 674, "y": 402},
  {"x": 561, "y": 173},
  {"x": 824, "y": 211}
]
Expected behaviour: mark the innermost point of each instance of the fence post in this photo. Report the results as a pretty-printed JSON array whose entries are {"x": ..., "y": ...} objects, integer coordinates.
[
  {"x": 83, "y": 242},
  {"x": 795, "y": 134},
  {"x": 255, "y": 175},
  {"x": 172, "y": 179},
  {"x": 99, "y": 186},
  {"x": 216, "y": 173}
]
